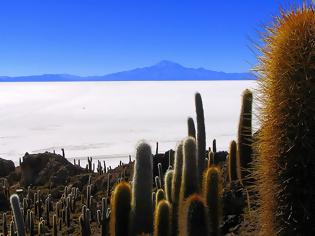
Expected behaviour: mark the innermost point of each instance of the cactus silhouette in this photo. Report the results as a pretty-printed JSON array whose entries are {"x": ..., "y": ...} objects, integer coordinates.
[
  {"x": 120, "y": 210},
  {"x": 193, "y": 220},
  {"x": 212, "y": 194},
  {"x": 211, "y": 158},
  {"x": 163, "y": 219},
  {"x": 286, "y": 140},
  {"x": 234, "y": 170},
  {"x": 191, "y": 127},
  {"x": 168, "y": 185},
  {"x": 201, "y": 136},
  {"x": 189, "y": 184},
  {"x": 245, "y": 137},
  {"x": 142, "y": 209},
  {"x": 18, "y": 217}
]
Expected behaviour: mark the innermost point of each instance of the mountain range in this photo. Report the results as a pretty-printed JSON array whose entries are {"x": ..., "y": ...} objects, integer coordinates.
[{"x": 162, "y": 71}]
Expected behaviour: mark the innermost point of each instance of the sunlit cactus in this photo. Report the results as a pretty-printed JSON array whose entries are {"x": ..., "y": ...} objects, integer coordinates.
[
  {"x": 18, "y": 217},
  {"x": 177, "y": 177},
  {"x": 212, "y": 188},
  {"x": 120, "y": 210},
  {"x": 286, "y": 140},
  {"x": 142, "y": 209},
  {"x": 168, "y": 185},
  {"x": 163, "y": 219},
  {"x": 190, "y": 183},
  {"x": 201, "y": 136},
  {"x": 160, "y": 195},
  {"x": 194, "y": 220}
]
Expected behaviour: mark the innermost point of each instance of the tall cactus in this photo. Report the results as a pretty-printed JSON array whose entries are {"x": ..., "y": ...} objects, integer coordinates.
[
  {"x": 163, "y": 219},
  {"x": 177, "y": 178},
  {"x": 201, "y": 136},
  {"x": 18, "y": 217},
  {"x": 234, "y": 170},
  {"x": 193, "y": 220},
  {"x": 4, "y": 224},
  {"x": 212, "y": 194},
  {"x": 120, "y": 210},
  {"x": 286, "y": 140},
  {"x": 191, "y": 127},
  {"x": 168, "y": 185},
  {"x": 142, "y": 209},
  {"x": 245, "y": 136},
  {"x": 189, "y": 183}
]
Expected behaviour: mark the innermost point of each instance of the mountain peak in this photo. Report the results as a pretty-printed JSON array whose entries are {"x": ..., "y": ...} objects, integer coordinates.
[{"x": 166, "y": 63}]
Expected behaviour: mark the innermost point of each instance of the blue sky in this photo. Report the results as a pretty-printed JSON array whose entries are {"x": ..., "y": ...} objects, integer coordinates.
[{"x": 95, "y": 37}]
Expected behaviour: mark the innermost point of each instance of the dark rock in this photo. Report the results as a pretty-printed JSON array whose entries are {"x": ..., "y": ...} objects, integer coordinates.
[
  {"x": 47, "y": 168},
  {"x": 6, "y": 167}
]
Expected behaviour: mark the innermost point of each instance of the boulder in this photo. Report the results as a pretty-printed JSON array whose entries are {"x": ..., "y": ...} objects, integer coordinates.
[
  {"x": 47, "y": 168},
  {"x": 6, "y": 167}
]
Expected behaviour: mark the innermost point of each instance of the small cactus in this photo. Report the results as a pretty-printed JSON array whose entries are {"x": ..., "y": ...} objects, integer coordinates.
[
  {"x": 191, "y": 127},
  {"x": 120, "y": 210},
  {"x": 190, "y": 183},
  {"x": 193, "y": 220},
  {"x": 18, "y": 217},
  {"x": 160, "y": 195},
  {"x": 142, "y": 210},
  {"x": 212, "y": 194},
  {"x": 168, "y": 185},
  {"x": 163, "y": 219},
  {"x": 234, "y": 170}
]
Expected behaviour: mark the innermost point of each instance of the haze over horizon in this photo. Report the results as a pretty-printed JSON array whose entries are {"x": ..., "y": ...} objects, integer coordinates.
[{"x": 98, "y": 38}]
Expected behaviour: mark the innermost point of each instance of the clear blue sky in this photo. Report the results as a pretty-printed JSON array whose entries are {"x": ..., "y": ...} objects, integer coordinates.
[{"x": 95, "y": 37}]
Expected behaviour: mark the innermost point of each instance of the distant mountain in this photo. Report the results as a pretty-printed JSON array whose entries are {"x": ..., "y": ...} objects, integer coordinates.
[{"x": 163, "y": 71}]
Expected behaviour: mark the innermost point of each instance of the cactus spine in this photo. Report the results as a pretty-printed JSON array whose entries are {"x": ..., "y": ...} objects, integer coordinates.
[
  {"x": 212, "y": 194},
  {"x": 194, "y": 220},
  {"x": 286, "y": 141},
  {"x": 201, "y": 136},
  {"x": 18, "y": 217},
  {"x": 234, "y": 170},
  {"x": 245, "y": 136},
  {"x": 163, "y": 219},
  {"x": 120, "y": 210},
  {"x": 142, "y": 209},
  {"x": 191, "y": 127}
]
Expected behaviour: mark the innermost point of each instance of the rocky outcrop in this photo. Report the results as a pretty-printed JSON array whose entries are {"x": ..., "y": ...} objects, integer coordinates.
[
  {"x": 6, "y": 167},
  {"x": 47, "y": 168}
]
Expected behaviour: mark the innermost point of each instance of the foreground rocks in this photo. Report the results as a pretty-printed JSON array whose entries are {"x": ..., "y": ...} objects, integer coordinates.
[{"x": 6, "y": 167}]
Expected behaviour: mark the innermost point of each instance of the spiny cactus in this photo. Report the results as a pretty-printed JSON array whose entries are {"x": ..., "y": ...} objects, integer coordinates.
[
  {"x": 4, "y": 224},
  {"x": 191, "y": 127},
  {"x": 212, "y": 194},
  {"x": 190, "y": 183},
  {"x": 193, "y": 220},
  {"x": 142, "y": 211},
  {"x": 168, "y": 185},
  {"x": 234, "y": 170},
  {"x": 201, "y": 136},
  {"x": 55, "y": 228},
  {"x": 160, "y": 195},
  {"x": 85, "y": 222},
  {"x": 18, "y": 217},
  {"x": 161, "y": 176},
  {"x": 163, "y": 219},
  {"x": 286, "y": 140},
  {"x": 158, "y": 183},
  {"x": 104, "y": 219},
  {"x": 177, "y": 178},
  {"x": 120, "y": 210},
  {"x": 245, "y": 137}
]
